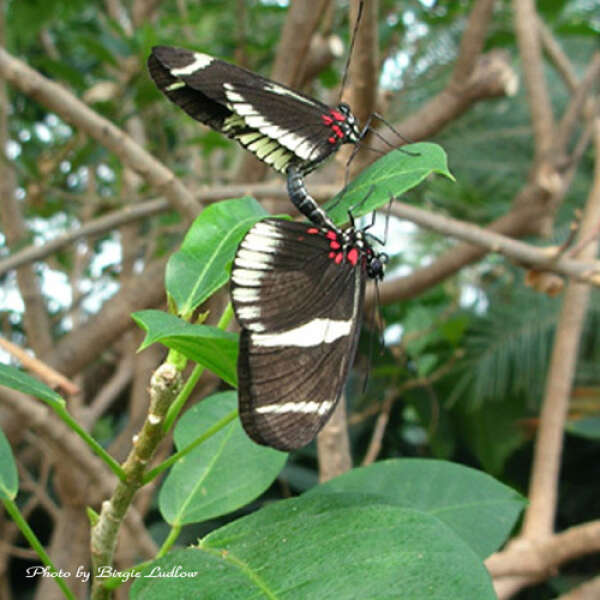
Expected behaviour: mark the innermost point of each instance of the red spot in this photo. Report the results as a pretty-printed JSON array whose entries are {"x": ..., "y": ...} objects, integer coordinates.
[
  {"x": 337, "y": 131},
  {"x": 331, "y": 235},
  {"x": 312, "y": 230},
  {"x": 327, "y": 119},
  {"x": 337, "y": 116},
  {"x": 340, "y": 133},
  {"x": 334, "y": 245},
  {"x": 331, "y": 140},
  {"x": 331, "y": 254},
  {"x": 353, "y": 256}
]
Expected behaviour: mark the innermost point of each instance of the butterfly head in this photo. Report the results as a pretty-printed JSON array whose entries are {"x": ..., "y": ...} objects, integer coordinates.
[
  {"x": 343, "y": 124},
  {"x": 356, "y": 243}
]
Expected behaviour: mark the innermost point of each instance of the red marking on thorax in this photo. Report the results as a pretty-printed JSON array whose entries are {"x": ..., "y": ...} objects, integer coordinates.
[
  {"x": 353, "y": 256},
  {"x": 337, "y": 115},
  {"x": 337, "y": 130}
]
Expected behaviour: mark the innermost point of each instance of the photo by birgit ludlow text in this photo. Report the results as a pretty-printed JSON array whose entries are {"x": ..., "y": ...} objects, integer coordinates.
[{"x": 176, "y": 572}]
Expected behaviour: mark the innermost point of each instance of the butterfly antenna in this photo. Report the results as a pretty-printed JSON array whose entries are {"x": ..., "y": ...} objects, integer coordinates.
[{"x": 347, "y": 67}]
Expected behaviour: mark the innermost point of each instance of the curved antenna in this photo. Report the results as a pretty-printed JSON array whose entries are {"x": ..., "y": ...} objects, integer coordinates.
[{"x": 347, "y": 67}]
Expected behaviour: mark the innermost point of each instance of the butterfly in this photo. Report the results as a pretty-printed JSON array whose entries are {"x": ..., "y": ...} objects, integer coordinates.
[
  {"x": 287, "y": 130},
  {"x": 297, "y": 292}
]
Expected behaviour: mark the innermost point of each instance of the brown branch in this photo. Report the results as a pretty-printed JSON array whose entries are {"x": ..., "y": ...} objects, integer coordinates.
[
  {"x": 579, "y": 100},
  {"x": 476, "y": 77},
  {"x": 558, "y": 57},
  {"x": 333, "y": 444},
  {"x": 164, "y": 386},
  {"x": 79, "y": 347},
  {"x": 547, "y": 259},
  {"x": 539, "y": 516},
  {"x": 528, "y": 39},
  {"x": 364, "y": 63},
  {"x": 35, "y": 320},
  {"x": 515, "y": 223},
  {"x": 135, "y": 212},
  {"x": 109, "y": 392},
  {"x": 590, "y": 590},
  {"x": 472, "y": 41},
  {"x": 51, "y": 376},
  {"x": 58, "y": 99},
  {"x": 538, "y": 558}
]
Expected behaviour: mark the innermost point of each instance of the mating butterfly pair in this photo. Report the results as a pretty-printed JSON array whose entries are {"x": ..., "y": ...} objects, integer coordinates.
[{"x": 297, "y": 289}]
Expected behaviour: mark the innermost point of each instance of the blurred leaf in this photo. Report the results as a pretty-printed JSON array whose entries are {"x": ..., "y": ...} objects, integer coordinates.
[
  {"x": 9, "y": 479},
  {"x": 18, "y": 380},
  {"x": 588, "y": 427},
  {"x": 492, "y": 431}
]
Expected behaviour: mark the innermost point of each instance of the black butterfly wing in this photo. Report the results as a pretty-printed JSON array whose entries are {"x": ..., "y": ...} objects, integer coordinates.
[
  {"x": 274, "y": 122},
  {"x": 199, "y": 105},
  {"x": 300, "y": 313}
]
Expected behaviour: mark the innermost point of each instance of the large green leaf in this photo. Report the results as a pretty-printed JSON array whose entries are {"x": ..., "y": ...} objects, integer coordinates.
[
  {"x": 200, "y": 267},
  {"x": 18, "y": 380},
  {"x": 332, "y": 546},
  {"x": 457, "y": 495},
  {"x": 390, "y": 176},
  {"x": 208, "y": 346},
  {"x": 227, "y": 471},
  {"x": 9, "y": 480}
]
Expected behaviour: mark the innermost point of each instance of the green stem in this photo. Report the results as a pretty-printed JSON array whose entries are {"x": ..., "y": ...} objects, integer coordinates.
[
  {"x": 21, "y": 523},
  {"x": 190, "y": 384},
  {"x": 182, "y": 397},
  {"x": 113, "y": 465},
  {"x": 173, "y": 535},
  {"x": 150, "y": 475},
  {"x": 226, "y": 317}
]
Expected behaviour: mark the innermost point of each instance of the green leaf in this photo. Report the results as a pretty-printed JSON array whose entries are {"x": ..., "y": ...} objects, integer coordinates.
[
  {"x": 492, "y": 431},
  {"x": 9, "y": 480},
  {"x": 208, "y": 346},
  {"x": 226, "y": 472},
  {"x": 390, "y": 176},
  {"x": 200, "y": 267},
  {"x": 333, "y": 546},
  {"x": 456, "y": 495},
  {"x": 588, "y": 427},
  {"x": 18, "y": 380}
]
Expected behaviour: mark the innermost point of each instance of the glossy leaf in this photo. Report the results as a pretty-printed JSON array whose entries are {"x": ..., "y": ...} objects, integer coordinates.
[
  {"x": 457, "y": 495},
  {"x": 208, "y": 346},
  {"x": 201, "y": 266},
  {"x": 225, "y": 472},
  {"x": 391, "y": 176},
  {"x": 331, "y": 546}
]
